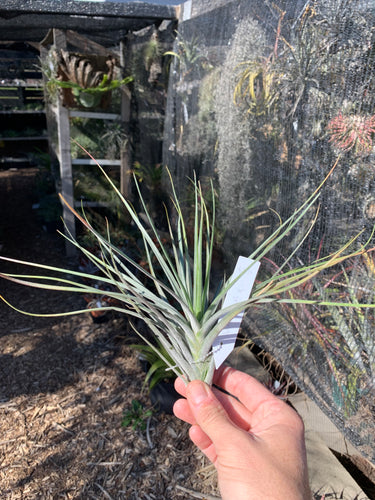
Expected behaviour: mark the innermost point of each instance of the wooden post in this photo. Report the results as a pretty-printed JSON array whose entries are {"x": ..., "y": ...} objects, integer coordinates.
[
  {"x": 63, "y": 130},
  {"x": 126, "y": 167}
]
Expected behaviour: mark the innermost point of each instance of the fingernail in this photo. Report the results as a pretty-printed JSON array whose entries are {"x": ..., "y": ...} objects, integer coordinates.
[{"x": 197, "y": 392}]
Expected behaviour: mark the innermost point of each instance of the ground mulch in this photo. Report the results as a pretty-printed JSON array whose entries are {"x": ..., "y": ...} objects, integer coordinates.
[{"x": 65, "y": 384}]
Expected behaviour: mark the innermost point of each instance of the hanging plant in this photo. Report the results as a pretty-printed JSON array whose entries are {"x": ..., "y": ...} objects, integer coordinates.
[
  {"x": 259, "y": 79},
  {"x": 257, "y": 87},
  {"x": 91, "y": 97},
  {"x": 87, "y": 83}
]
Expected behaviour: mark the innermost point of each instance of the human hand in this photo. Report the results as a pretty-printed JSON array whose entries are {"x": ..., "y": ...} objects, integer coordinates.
[{"x": 256, "y": 441}]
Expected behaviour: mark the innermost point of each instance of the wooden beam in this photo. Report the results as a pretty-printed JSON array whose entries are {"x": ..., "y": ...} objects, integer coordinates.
[
  {"x": 64, "y": 156},
  {"x": 94, "y": 114},
  {"x": 103, "y": 162},
  {"x": 86, "y": 46},
  {"x": 12, "y": 8},
  {"x": 126, "y": 160}
]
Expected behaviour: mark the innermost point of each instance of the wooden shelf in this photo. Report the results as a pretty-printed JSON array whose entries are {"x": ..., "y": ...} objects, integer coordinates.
[
  {"x": 11, "y": 160},
  {"x": 12, "y": 85},
  {"x": 28, "y": 138},
  {"x": 64, "y": 117},
  {"x": 94, "y": 115},
  {"x": 102, "y": 162},
  {"x": 22, "y": 112}
]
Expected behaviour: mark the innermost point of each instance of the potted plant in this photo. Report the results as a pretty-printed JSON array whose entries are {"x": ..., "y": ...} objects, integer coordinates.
[
  {"x": 159, "y": 377},
  {"x": 50, "y": 212},
  {"x": 86, "y": 81}
]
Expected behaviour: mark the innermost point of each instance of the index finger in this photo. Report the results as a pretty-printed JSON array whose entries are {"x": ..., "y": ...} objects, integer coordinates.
[{"x": 246, "y": 388}]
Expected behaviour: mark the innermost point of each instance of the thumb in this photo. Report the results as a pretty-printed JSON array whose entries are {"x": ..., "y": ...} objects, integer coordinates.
[{"x": 209, "y": 414}]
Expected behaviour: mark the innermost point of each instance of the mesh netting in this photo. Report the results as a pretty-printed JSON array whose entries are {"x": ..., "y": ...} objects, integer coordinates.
[{"x": 264, "y": 98}]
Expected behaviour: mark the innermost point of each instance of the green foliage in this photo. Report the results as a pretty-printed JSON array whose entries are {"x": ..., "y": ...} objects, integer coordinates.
[
  {"x": 105, "y": 138},
  {"x": 151, "y": 176},
  {"x": 158, "y": 369},
  {"x": 136, "y": 416},
  {"x": 88, "y": 134},
  {"x": 50, "y": 208},
  {"x": 90, "y": 96},
  {"x": 114, "y": 139},
  {"x": 151, "y": 52},
  {"x": 188, "y": 54},
  {"x": 90, "y": 186}
]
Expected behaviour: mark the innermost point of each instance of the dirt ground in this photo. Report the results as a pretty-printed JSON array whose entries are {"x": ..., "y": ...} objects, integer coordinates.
[{"x": 65, "y": 384}]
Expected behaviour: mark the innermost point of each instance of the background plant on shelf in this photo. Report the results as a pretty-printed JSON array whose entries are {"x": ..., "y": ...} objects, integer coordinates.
[
  {"x": 82, "y": 75},
  {"x": 178, "y": 304},
  {"x": 91, "y": 96},
  {"x": 49, "y": 208},
  {"x": 114, "y": 139},
  {"x": 188, "y": 53}
]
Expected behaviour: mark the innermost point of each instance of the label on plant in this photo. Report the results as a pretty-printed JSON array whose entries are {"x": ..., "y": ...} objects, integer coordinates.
[{"x": 224, "y": 344}]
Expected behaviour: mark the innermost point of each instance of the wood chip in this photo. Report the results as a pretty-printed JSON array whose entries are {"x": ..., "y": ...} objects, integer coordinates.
[
  {"x": 105, "y": 464},
  {"x": 196, "y": 494},
  {"x": 106, "y": 494}
]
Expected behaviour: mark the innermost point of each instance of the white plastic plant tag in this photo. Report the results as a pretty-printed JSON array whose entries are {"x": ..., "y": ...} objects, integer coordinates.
[{"x": 240, "y": 291}]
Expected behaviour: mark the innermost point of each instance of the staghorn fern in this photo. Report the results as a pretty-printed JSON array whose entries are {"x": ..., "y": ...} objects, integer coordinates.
[{"x": 178, "y": 307}]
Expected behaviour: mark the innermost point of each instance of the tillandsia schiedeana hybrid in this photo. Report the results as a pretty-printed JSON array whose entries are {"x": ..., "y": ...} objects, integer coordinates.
[{"x": 177, "y": 305}]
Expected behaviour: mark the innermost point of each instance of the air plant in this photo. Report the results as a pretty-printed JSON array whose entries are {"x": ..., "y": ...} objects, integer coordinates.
[
  {"x": 256, "y": 86},
  {"x": 356, "y": 326},
  {"x": 259, "y": 79},
  {"x": 79, "y": 74},
  {"x": 352, "y": 132},
  {"x": 188, "y": 54},
  {"x": 345, "y": 336},
  {"x": 177, "y": 303}
]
